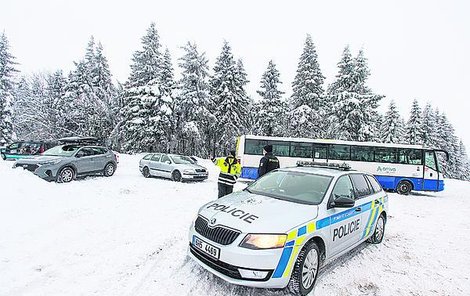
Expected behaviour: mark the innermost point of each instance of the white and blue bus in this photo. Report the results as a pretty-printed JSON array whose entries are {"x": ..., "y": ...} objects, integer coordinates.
[{"x": 397, "y": 167}]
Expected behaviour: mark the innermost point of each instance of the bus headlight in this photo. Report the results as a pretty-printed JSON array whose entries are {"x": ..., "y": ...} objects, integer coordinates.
[{"x": 263, "y": 241}]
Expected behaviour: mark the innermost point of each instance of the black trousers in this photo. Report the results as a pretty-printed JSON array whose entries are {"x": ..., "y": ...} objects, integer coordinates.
[{"x": 224, "y": 189}]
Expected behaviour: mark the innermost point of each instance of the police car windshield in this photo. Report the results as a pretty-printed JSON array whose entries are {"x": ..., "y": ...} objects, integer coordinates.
[
  {"x": 66, "y": 150},
  {"x": 292, "y": 186}
]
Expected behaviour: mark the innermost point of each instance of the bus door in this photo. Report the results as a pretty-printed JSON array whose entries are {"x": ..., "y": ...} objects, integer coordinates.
[
  {"x": 320, "y": 152},
  {"x": 430, "y": 171}
]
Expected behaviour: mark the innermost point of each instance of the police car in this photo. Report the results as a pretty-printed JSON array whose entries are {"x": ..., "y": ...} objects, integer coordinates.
[{"x": 282, "y": 228}]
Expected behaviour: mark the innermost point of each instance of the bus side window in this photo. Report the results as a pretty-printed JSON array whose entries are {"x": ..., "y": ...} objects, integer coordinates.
[
  {"x": 279, "y": 148},
  {"x": 339, "y": 152},
  {"x": 362, "y": 153},
  {"x": 254, "y": 147},
  {"x": 382, "y": 154},
  {"x": 301, "y": 150},
  {"x": 320, "y": 151}
]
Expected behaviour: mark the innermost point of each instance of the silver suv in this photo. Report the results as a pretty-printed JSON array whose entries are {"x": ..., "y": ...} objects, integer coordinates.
[
  {"x": 66, "y": 162},
  {"x": 172, "y": 166}
]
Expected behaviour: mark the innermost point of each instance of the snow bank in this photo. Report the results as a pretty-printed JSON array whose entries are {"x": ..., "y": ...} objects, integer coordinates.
[{"x": 127, "y": 235}]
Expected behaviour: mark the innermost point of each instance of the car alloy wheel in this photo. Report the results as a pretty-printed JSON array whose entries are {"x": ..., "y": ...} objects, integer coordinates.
[
  {"x": 176, "y": 175},
  {"x": 66, "y": 175},
  {"x": 109, "y": 170},
  {"x": 310, "y": 269}
]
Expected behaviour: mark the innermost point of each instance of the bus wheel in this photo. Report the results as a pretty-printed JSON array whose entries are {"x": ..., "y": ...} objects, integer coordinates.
[{"x": 404, "y": 187}]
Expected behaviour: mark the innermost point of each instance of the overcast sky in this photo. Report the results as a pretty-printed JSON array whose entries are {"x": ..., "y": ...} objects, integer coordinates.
[{"x": 416, "y": 49}]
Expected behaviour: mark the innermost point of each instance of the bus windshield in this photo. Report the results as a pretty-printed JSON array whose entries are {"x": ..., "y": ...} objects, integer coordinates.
[{"x": 292, "y": 186}]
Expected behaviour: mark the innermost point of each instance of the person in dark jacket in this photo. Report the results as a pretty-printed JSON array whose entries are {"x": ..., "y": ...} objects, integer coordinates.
[{"x": 268, "y": 162}]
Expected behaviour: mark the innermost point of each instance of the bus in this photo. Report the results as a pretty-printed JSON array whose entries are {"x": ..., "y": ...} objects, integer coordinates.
[{"x": 398, "y": 167}]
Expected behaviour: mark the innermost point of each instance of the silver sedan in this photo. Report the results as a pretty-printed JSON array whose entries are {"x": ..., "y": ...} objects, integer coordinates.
[{"x": 172, "y": 166}]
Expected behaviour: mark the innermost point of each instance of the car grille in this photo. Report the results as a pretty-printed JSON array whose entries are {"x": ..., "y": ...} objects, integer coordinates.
[
  {"x": 219, "y": 234},
  {"x": 29, "y": 167},
  {"x": 222, "y": 267},
  {"x": 200, "y": 170}
]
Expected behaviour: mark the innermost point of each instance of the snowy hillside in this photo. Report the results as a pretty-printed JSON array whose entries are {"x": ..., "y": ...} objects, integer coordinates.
[{"x": 127, "y": 235}]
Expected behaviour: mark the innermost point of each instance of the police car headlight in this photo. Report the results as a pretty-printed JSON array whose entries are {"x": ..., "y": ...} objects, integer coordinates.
[{"x": 263, "y": 241}]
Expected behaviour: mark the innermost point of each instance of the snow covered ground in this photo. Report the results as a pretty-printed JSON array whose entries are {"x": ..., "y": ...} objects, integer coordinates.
[{"x": 127, "y": 235}]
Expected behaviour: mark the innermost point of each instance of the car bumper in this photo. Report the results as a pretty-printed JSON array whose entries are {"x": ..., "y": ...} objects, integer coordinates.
[
  {"x": 235, "y": 262},
  {"x": 193, "y": 177}
]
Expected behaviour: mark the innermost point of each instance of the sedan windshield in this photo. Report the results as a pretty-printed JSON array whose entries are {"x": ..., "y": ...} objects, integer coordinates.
[
  {"x": 66, "y": 150},
  {"x": 180, "y": 159},
  {"x": 292, "y": 186}
]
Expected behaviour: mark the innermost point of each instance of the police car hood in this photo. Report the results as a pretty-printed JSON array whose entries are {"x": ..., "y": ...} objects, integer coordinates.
[{"x": 252, "y": 213}]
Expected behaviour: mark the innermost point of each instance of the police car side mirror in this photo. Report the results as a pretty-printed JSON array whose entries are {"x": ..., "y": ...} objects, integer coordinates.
[{"x": 343, "y": 202}]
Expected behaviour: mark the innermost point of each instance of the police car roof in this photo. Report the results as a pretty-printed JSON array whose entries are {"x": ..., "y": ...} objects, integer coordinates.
[{"x": 333, "y": 172}]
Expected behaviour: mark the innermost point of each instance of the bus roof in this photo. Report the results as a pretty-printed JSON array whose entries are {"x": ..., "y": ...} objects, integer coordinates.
[{"x": 338, "y": 142}]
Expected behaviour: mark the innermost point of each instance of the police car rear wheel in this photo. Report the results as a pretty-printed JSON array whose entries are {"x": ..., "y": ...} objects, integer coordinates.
[
  {"x": 3, "y": 156},
  {"x": 379, "y": 232},
  {"x": 404, "y": 187},
  {"x": 305, "y": 271}
]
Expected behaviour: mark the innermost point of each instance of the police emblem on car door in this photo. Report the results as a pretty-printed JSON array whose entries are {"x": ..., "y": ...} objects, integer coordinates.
[{"x": 344, "y": 216}]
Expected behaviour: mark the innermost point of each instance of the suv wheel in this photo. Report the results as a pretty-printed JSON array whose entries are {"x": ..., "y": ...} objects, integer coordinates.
[
  {"x": 66, "y": 175},
  {"x": 176, "y": 176},
  {"x": 109, "y": 169},
  {"x": 305, "y": 271}
]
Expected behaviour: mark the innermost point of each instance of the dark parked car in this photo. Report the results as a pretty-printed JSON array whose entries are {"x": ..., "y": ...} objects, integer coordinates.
[{"x": 25, "y": 149}]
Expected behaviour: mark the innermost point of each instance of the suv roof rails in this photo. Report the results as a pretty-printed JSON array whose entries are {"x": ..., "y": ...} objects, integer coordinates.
[
  {"x": 336, "y": 166},
  {"x": 79, "y": 140}
]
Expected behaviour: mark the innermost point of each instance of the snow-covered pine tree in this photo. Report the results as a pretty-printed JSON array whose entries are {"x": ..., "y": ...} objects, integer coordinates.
[
  {"x": 7, "y": 85},
  {"x": 307, "y": 87},
  {"x": 147, "y": 115},
  {"x": 429, "y": 127},
  {"x": 448, "y": 142},
  {"x": 352, "y": 105},
  {"x": 168, "y": 93},
  {"x": 105, "y": 95},
  {"x": 22, "y": 118},
  {"x": 462, "y": 163},
  {"x": 272, "y": 108},
  {"x": 227, "y": 90},
  {"x": 414, "y": 129},
  {"x": 193, "y": 106},
  {"x": 146, "y": 63},
  {"x": 369, "y": 100},
  {"x": 307, "y": 100},
  {"x": 392, "y": 126}
]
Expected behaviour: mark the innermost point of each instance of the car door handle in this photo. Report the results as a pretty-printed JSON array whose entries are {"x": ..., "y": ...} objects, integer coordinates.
[{"x": 358, "y": 209}]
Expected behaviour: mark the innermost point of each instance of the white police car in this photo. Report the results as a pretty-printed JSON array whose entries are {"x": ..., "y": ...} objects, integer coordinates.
[{"x": 282, "y": 228}]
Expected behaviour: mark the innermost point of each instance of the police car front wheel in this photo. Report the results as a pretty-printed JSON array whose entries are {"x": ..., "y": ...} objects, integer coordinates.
[{"x": 305, "y": 271}]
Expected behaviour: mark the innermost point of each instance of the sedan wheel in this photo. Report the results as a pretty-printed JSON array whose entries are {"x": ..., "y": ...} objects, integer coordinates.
[
  {"x": 146, "y": 172},
  {"x": 176, "y": 176}
]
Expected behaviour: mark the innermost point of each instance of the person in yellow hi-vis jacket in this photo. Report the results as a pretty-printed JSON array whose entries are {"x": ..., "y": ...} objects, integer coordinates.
[{"x": 230, "y": 170}]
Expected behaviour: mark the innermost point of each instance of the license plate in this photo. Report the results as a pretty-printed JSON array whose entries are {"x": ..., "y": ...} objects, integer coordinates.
[{"x": 206, "y": 248}]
